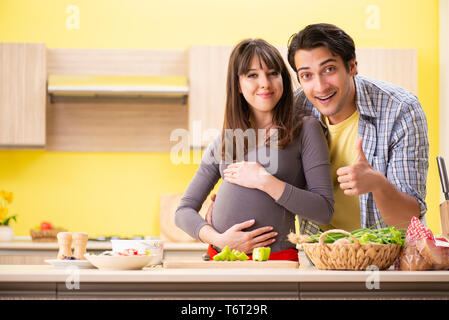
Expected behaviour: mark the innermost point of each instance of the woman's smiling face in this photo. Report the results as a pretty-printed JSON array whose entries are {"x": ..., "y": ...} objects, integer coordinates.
[
  {"x": 261, "y": 87},
  {"x": 326, "y": 82}
]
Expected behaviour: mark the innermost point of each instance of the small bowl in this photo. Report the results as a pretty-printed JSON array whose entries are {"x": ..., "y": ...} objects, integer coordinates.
[
  {"x": 155, "y": 246},
  {"x": 119, "y": 262}
]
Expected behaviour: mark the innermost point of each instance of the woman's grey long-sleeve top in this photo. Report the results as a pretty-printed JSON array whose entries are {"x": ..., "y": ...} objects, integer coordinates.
[{"x": 303, "y": 165}]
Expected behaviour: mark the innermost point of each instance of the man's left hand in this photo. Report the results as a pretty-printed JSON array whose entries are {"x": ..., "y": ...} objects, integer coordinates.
[{"x": 359, "y": 178}]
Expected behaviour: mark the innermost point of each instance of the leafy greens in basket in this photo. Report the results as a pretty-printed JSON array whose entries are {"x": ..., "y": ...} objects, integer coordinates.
[{"x": 388, "y": 235}]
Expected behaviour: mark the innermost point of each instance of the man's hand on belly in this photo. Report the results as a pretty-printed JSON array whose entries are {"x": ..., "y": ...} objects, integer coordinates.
[{"x": 208, "y": 216}]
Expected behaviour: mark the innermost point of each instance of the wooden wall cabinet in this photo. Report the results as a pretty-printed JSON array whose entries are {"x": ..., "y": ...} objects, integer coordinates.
[
  {"x": 115, "y": 118},
  {"x": 22, "y": 95}
]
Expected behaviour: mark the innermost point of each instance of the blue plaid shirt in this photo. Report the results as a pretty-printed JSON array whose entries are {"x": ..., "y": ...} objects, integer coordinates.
[{"x": 394, "y": 130}]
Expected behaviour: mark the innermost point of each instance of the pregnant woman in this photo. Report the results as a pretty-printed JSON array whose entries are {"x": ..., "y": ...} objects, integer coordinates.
[{"x": 264, "y": 142}]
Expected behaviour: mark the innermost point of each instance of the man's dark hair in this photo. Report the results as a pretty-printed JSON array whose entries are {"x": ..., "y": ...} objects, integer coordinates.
[{"x": 322, "y": 35}]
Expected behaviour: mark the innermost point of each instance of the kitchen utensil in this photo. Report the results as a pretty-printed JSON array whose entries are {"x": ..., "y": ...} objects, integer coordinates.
[
  {"x": 444, "y": 218},
  {"x": 104, "y": 262},
  {"x": 190, "y": 263},
  {"x": 444, "y": 206},
  {"x": 443, "y": 177}
]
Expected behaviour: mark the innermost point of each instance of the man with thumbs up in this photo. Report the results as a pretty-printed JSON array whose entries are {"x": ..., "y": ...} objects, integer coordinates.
[{"x": 377, "y": 133}]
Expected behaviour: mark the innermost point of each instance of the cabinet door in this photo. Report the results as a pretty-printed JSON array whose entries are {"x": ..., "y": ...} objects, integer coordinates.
[
  {"x": 22, "y": 94},
  {"x": 208, "y": 66}
]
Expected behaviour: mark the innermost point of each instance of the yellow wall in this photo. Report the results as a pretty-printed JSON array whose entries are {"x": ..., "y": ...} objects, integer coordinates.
[{"x": 117, "y": 193}]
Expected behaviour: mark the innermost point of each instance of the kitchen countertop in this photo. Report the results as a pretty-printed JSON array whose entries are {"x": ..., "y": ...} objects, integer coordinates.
[
  {"x": 40, "y": 273},
  {"x": 94, "y": 245},
  {"x": 36, "y": 281}
]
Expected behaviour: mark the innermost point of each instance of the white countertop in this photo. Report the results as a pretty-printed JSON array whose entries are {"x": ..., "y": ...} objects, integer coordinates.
[
  {"x": 94, "y": 245},
  {"x": 47, "y": 273}
]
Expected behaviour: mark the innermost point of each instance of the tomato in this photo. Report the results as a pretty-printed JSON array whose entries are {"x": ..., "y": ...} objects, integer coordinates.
[
  {"x": 131, "y": 252},
  {"x": 46, "y": 226}
]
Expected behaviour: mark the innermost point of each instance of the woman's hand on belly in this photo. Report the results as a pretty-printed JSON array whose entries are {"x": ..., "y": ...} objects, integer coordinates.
[
  {"x": 245, "y": 174},
  {"x": 253, "y": 175},
  {"x": 246, "y": 241},
  {"x": 235, "y": 237}
]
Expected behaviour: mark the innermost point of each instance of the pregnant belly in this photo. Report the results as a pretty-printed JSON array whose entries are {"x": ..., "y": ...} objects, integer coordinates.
[{"x": 235, "y": 204}]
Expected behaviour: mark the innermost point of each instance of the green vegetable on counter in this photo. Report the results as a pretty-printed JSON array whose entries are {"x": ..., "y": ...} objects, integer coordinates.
[
  {"x": 227, "y": 255},
  {"x": 240, "y": 255},
  {"x": 223, "y": 255},
  {"x": 261, "y": 253}
]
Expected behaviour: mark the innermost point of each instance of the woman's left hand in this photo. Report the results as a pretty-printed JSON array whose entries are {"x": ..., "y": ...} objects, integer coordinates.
[{"x": 246, "y": 174}]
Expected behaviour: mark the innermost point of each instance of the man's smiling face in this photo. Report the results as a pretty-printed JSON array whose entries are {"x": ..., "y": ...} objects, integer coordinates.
[{"x": 326, "y": 82}]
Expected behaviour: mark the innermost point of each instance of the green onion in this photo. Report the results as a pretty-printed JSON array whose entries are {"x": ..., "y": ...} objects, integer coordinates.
[{"x": 388, "y": 235}]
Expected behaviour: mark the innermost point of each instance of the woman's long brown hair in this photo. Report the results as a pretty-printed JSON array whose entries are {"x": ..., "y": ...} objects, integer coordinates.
[{"x": 237, "y": 111}]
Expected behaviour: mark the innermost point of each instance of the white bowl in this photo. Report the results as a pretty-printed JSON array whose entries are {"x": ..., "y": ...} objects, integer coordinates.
[
  {"x": 155, "y": 246},
  {"x": 119, "y": 262}
]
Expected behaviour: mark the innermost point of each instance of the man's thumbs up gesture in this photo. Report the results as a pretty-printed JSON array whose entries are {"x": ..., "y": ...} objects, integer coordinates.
[{"x": 359, "y": 178}]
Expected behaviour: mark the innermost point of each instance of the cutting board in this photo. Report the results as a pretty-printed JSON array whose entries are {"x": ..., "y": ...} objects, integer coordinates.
[
  {"x": 169, "y": 232},
  {"x": 249, "y": 264}
]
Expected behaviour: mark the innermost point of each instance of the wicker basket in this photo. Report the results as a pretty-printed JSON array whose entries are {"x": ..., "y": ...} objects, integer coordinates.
[
  {"x": 353, "y": 256},
  {"x": 45, "y": 235}
]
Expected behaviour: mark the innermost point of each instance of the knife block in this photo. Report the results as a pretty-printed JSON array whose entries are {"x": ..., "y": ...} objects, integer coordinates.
[{"x": 444, "y": 218}]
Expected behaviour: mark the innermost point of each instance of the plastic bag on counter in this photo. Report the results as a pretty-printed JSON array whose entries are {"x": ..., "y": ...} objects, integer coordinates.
[{"x": 423, "y": 251}]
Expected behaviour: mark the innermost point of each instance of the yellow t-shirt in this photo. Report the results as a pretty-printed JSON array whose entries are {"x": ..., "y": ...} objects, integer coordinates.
[{"x": 342, "y": 143}]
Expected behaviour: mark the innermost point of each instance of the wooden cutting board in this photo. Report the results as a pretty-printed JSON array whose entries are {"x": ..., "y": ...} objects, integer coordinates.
[
  {"x": 271, "y": 264},
  {"x": 169, "y": 232}
]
